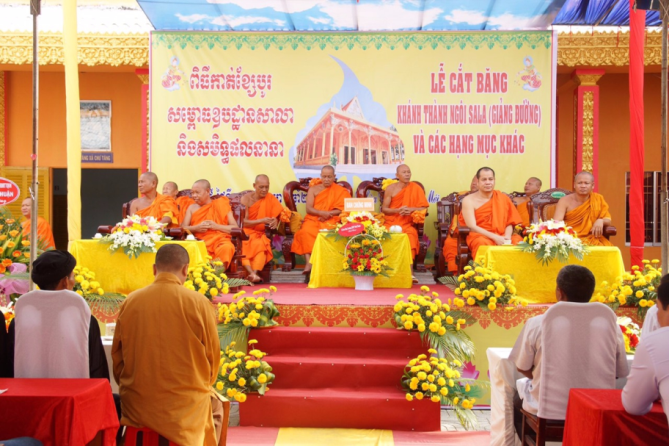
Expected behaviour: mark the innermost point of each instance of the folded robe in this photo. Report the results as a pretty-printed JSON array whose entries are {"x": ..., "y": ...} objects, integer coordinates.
[
  {"x": 411, "y": 196},
  {"x": 219, "y": 244},
  {"x": 494, "y": 216},
  {"x": 162, "y": 206},
  {"x": 328, "y": 199},
  {"x": 183, "y": 203},
  {"x": 258, "y": 248},
  {"x": 583, "y": 217}
]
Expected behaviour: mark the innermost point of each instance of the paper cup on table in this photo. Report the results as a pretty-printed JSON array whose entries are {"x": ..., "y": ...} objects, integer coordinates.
[
  {"x": 97, "y": 235},
  {"x": 190, "y": 237}
]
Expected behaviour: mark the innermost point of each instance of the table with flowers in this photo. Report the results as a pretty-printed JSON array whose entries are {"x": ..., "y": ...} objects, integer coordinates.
[
  {"x": 327, "y": 260},
  {"x": 536, "y": 282}
]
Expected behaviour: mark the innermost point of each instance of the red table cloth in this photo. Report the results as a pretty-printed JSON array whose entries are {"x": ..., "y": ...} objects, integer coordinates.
[
  {"x": 597, "y": 417},
  {"x": 58, "y": 412}
]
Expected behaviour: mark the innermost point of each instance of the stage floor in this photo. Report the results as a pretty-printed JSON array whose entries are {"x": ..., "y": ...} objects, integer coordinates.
[{"x": 299, "y": 294}]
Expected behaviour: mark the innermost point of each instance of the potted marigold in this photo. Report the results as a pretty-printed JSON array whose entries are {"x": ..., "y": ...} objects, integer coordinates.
[
  {"x": 364, "y": 260},
  {"x": 243, "y": 373},
  {"x": 244, "y": 313},
  {"x": 637, "y": 288}
]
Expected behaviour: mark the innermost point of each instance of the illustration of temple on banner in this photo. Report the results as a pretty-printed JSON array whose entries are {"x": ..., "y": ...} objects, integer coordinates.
[{"x": 343, "y": 136}]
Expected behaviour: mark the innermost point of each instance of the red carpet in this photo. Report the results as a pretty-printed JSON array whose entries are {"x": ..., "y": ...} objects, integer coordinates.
[
  {"x": 299, "y": 294},
  {"x": 339, "y": 378}
]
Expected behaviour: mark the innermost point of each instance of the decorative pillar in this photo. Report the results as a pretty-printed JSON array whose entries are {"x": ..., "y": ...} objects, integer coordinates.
[
  {"x": 332, "y": 148},
  {"x": 350, "y": 151},
  {"x": 586, "y": 122},
  {"x": 3, "y": 119},
  {"x": 143, "y": 74},
  {"x": 324, "y": 152}
]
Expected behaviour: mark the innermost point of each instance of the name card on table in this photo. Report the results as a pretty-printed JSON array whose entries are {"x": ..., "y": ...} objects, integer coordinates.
[{"x": 358, "y": 204}]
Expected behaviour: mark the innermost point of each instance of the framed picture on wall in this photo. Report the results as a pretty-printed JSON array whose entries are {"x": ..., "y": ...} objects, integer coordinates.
[{"x": 95, "y": 126}]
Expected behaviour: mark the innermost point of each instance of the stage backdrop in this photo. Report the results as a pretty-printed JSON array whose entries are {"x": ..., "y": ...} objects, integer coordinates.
[{"x": 228, "y": 106}]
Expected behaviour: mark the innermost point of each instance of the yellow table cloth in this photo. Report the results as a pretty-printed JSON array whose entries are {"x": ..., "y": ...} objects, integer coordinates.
[
  {"x": 536, "y": 282},
  {"x": 328, "y": 256},
  {"x": 119, "y": 274}
]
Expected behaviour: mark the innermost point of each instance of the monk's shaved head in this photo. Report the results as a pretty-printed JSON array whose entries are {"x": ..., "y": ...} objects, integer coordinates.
[
  {"x": 172, "y": 185},
  {"x": 400, "y": 167},
  {"x": 328, "y": 167},
  {"x": 171, "y": 258},
  {"x": 203, "y": 184},
  {"x": 262, "y": 176},
  {"x": 403, "y": 173},
  {"x": 537, "y": 180},
  {"x": 170, "y": 188},
  {"x": 261, "y": 186},
  {"x": 26, "y": 207},
  {"x": 483, "y": 169},
  {"x": 150, "y": 176},
  {"x": 592, "y": 177}
]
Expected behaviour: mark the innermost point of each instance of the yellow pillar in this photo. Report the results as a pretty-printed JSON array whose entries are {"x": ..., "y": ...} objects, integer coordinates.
[{"x": 73, "y": 119}]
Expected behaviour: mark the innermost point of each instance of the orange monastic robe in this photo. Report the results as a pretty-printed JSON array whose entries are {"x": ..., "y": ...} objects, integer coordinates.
[
  {"x": 162, "y": 206},
  {"x": 328, "y": 199},
  {"x": 44, "y": 233},
  {"x": 219, "y": 244},
  {"x": 411, "y": 196},
  {"x": 524, "y": 212},
  {"x": 494, "y": 216},
  {"x": 258, "y": 248},
  {"x": 583, "y": 217},
  {"x": 183, "y": 203}
]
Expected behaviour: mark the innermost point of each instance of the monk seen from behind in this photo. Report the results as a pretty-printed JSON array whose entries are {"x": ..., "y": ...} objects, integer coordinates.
[
  {"x": 44, "y": 233},
  {"x": 152, "y": 204},
  {"x": 489, "y": 214},
  {"x": 211, "y": 221},
  {"x": 325, "y": 201},
  {"x": 400, "y": 201},
  {"x": 183, "y": 203},
  {"x": 585, "y": 210},
  {"x": 263, "y": 209}
]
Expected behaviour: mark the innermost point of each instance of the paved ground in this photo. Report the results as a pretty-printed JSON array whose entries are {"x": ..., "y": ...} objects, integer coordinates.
[{"x": 449, "y": 421}]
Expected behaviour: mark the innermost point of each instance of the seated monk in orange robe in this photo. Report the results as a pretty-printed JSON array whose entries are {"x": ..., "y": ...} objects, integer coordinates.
[
  {"x": 325, "y": 201},
  {"x": 402, "y": 199},
  {"x": 585, "y": 211},
  {"x": 262, "y": 208},
  {"x": 44, "y": 233},
  {"x": 211, "y": 221},
  {"x": 152, "y": 204},
  {"x": 183, "y": 202},
  {"x": 451, "y": 243},
  {"x": 489, "y": 214},
  {"x": 532, "y": 187}
]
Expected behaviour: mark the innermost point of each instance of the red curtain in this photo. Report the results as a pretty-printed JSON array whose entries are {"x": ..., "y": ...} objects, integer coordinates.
[{"x": 636, "y": 216}]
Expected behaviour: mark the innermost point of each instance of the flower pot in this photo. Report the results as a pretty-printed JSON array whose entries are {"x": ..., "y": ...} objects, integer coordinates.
[{"x": 364, "y": 283}]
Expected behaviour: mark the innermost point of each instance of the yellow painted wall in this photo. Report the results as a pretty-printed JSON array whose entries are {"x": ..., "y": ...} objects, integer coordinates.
[
  {"x": 614, "y": 137},
  {"x": 122, "y": 88}
]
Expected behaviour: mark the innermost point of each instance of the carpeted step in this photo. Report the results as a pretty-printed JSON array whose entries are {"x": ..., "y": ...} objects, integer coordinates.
[
  {"x": 358, "y": 341},
  {"x": 316, "y": 372},
  {"x": 371, "y": 408}
]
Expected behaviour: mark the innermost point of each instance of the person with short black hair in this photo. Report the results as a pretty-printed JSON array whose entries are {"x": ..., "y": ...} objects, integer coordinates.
[
  {"x": 575, "y": 284},
  {"x": 649, "y": 378},
  {"x": 166, "y": 356},
  {"x": 54, "y": 334}
]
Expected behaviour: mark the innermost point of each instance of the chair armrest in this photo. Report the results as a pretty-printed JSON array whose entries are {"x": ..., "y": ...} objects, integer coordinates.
[
  {"x": 105, "y": 229},
  {"x": 610, "y": 231},
  {"x": 238, "y": 233},
  {"x": 176, "y": 233}
]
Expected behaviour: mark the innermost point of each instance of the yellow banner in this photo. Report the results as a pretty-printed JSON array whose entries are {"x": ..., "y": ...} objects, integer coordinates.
[{"x": 228, "y": 106}]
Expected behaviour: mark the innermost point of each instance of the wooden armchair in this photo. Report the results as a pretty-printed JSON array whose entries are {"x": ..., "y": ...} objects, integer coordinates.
[
  {"x": 464, "y": 256},
  {"x": 236, "y": 269},
  {"x": 445, "y": 217},
  {"x": 376, "y": 186},
  {"x": 302, "y": 184},
  {"x": 542, "y": 207},
  {"x": 175, "y": 233}
]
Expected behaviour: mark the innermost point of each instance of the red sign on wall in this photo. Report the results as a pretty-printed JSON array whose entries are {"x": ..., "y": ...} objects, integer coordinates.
[
  {"x": 350, "y": 229},
  {"x": 9, "y": 191}
]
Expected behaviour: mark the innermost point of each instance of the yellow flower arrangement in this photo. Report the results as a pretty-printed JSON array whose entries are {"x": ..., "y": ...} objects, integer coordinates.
[
  {"x": 636, "y": 288},
  {"x": 241, "y": 373},
  {"x": 440, "y": 380},
  {"x": 243, "y": 313},
  {"x": 436, "y": 321},
  {"x": 208, "y": 279},
  {"x": 87, "y": 286},
  {"x": 387, "y": 182},
  {"x": 364, "y": 257},
  {"x": 482, "y": 286}
]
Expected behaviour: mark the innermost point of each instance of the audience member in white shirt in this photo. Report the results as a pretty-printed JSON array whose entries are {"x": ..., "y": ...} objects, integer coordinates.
[
  {"x": 574, "y": 284},
  {"x": 649, "y": 378},
  {"x": 650, "y": 323}
]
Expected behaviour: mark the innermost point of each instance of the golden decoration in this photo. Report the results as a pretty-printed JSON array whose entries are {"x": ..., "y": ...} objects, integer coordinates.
[
  {"x": 587, "y": 80},
  {"x": 605, "y": 49},
  {"x": 144, "y": 78},
  {"x": 587, "y": 155},
  {"x": 2, "y": 119},
  {"x": 94, "y": 49}
]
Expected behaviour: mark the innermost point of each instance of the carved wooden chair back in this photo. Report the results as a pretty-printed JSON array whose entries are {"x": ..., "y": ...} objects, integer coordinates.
[{"x": 542, "y": 205}]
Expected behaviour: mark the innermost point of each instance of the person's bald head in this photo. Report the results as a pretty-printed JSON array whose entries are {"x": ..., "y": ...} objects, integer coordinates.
[
  {"x": 170, "y": 188},
  {"x": 474, "y": 185},
  {"x": 584, "y": 183},
  {"x": 532, "y": 186},
  {"x": 403, "y": 173},
  {"x": 327, "y": 175},
  {"x": 201, "y": 192},
  {"x": 148, "y": 182},
  {"x": 26, "y": 207},
  {"x": 173, "y": 259},
  {"x": 261, "y": 185}
]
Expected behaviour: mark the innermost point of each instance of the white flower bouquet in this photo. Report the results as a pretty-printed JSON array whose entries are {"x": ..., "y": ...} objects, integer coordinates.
[
  {"x": 136, "y": 235},
  {"x": 550, "y": 240}
]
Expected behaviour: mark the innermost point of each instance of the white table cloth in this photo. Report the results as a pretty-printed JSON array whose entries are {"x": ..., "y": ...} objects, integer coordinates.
[
  {"x": 107, "y": 344},
  {"x": 503, "y": 376}
]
